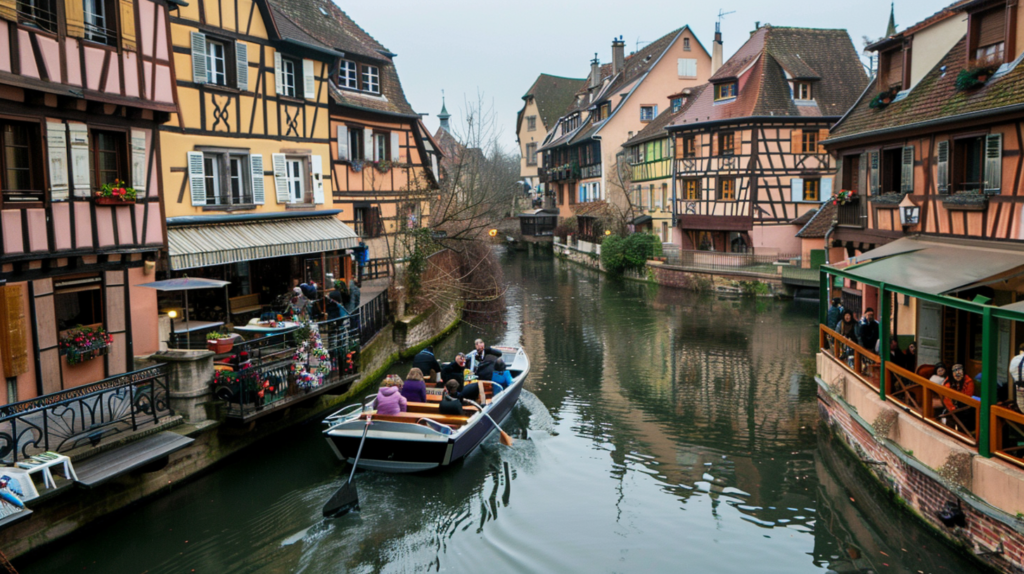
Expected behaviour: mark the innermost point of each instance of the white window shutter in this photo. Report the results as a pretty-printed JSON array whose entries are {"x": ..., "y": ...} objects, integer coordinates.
[
  {"x": 342, "y": 142},
  {"x": 139, "y": 167},
  {"x": 278, "y": 74},
  {"x": 57, "y": 154},
  {"x": 308, "y": 79},
  {"x": 196, "y": 178},
  {"x": 826, "y": 189},
  {"x": 993, "y": 163},
  {"x": 256, "y": 168},
  {"x": 81, "y": 178},
  {"x": 907, "y": 171},
  {"x": 942, "y": 163},
  {"x": 316, "y": 167},
  {"x": 395, "y": 148},
  {"x": 368, "y": 152},
  {"x": 796, "y": 186},
  {"x": 281, "y": 178},
  {"x": 433, "y": 165},
  {"x": 198, "y": 57},
  {"x": 242, "y": 65}
]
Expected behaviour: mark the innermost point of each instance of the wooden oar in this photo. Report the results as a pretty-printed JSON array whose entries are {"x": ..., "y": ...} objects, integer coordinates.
[
  {"x": 347, "y": 498},
  {"x": 505, "y": 438}
]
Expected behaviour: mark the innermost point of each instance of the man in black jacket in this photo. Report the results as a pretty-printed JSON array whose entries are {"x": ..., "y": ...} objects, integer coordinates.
[
  {"x": 427, "y": 363},
  {"x": 454, "y": 370},
  {"x": 868, "y": 330},
  {"x": 479, "y": 353}
]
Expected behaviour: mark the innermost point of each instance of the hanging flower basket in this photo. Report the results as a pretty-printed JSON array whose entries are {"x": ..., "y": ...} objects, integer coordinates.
[
  {"x": 383, "y": 166},
  {"x": 883, "y": 99},
  {"x": 845, "y": 197},
  {"x": 85, "y": 344},
  {"x": 357, "y": 165},
  {"x": 117, "y": 193},
  {"x": 974, "y": 76}
]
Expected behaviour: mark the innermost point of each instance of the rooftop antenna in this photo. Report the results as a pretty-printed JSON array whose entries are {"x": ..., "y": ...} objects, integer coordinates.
[{"x": 718, "y": 24}]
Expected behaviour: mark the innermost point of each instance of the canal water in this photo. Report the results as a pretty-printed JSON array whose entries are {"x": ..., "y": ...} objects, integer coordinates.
[{"x": 661, "y": 432}]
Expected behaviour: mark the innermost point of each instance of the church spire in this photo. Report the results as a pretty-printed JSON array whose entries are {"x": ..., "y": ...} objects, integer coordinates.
[
  {"x": 444, "y": 115},
  {"x": 891, "y": 30}
]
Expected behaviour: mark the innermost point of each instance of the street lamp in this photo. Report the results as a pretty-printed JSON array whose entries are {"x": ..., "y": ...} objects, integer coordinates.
[{"x": 910, "y": 214}]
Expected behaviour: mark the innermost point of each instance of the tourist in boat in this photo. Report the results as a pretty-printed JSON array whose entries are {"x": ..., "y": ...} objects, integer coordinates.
[
  {"x": 455, "y": 371},
  {"x": 479, "y": 352},
  {"x": 450, "y": 403},
  {"x": 427, "y": 363},
  {"x": 488, "y": 370},
  {"x": 389, "y": 399},
  {"x": 960, "y": 382},
  {"x": 868, "y": 331},
  {"x": 501, "y": 376},
  {"x": 415, "y": 389},
  {"x": 835, "y": 313}
]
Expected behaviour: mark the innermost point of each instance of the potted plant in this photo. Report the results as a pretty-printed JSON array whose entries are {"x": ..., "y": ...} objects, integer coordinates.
[
  {"x": 117, "y": 193},
  {"x": 84, "y": 344},
  {"x": 382, "y": 166},
  {"x": 974, "y": 76},
  {"x": 883, "y": 99},
  {"x": 357, "y": 165},
  {"x": 219, "y": 343}
]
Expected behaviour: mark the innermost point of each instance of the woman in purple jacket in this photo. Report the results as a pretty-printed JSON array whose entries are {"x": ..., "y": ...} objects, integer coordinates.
[{"x": 415, "y": 389}]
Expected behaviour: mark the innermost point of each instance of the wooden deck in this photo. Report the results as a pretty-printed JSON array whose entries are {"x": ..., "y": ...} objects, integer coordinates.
[{"x": 96, "y": 470}]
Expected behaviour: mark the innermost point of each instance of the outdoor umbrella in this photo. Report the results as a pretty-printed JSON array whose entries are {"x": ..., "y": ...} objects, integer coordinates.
[{"x": 185, "y": 284}]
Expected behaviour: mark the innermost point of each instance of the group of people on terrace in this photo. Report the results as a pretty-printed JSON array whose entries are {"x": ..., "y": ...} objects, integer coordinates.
[
  {"x": 341, "y": 302},
  {"x": 462, "y": 377},
  {"x": 865, "y": 332}
]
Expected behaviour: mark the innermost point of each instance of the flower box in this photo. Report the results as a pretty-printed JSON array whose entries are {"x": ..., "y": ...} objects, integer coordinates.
[
  {"x": 965, "y": 202},
  {"x": 84, "y": 344},
  {"x": 220, "y": 346},
  {"x": 100, "y": 200}
]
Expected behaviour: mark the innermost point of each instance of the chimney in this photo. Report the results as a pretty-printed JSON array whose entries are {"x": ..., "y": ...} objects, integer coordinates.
[
  {"x": 716, "y": 50},
  {"x": 618, "y": 55},
  {"x": 595, "y": 72}
]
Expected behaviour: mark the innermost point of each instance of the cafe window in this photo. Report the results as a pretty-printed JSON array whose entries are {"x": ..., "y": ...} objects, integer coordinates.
[
  {"x": 727, "y": 189},
  {"x": 21, "y": 177},
  {"x": 78, "y": 302},
  {"x": 109, "y": 158}
]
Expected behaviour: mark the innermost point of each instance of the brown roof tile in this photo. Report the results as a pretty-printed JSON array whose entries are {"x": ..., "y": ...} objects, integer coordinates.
[
  {"x": 656, "y": 129},
  {"x": 553, "y": 94},
  {"x": 934, "y": 98},
  {"x": 819, "y": 223}
]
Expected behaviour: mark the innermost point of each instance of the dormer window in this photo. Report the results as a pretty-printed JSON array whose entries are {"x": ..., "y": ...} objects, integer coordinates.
[
  {"x": 726, "y": 91},
  {"x": 648, "y": 113},
  {"x": 371, "y": 79},
  {"x": 677, "y": 103},
  {"x": 606, "y": 110},
  {"x": 802, "y": 91},
  {"x": 988, "y": 32},
  {"x": 891, "y": 69}
]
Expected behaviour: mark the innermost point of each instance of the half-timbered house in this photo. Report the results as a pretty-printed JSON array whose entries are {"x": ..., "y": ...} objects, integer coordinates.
[
  {"x": 748, "y": 155},
  {"x": 543, "y": 103},
  {"x": 580, "y": 152},
  {"x": 248, "y": 158},
  {"x": 649, "y": 156},
  {"x": 83, "y": 88}
]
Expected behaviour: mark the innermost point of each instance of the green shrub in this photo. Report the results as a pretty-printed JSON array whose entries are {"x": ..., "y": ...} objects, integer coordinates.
[
  {"x": 754, "y": 288},
  {"x": 613, "y": 256},
  {"x": 619, "y": 254}
]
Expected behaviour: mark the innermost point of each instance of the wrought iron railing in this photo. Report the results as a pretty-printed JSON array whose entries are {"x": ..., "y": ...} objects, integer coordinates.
[
  {"x": 83, "y": 415},
  {"x": 378, "y": 268},
  {"x": 374, "y": 315},
  {"x": 721, "y": 261},
  {"x": 590, "y": 171},
  {"x": 228, "y": 199},
  {"x": 537, "y": 226},
  {"x": 853, "y": 214}
]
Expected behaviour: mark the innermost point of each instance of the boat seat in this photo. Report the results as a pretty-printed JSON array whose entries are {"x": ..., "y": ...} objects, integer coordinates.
[
  {"x": 428, "y": 407},
  {"x": 453, "y": 421}
]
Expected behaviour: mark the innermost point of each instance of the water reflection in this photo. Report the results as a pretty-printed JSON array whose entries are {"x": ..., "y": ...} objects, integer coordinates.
[{"x": 661, "y": 431}]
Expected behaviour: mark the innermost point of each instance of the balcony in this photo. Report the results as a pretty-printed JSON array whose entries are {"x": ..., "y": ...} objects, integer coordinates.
[
  {"x": 590, "y": 171},
  {"x": 853, "y": 214}
]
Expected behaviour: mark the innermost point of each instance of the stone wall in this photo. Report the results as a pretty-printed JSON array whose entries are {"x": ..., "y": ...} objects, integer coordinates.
[{"x": 849, "y": 409}]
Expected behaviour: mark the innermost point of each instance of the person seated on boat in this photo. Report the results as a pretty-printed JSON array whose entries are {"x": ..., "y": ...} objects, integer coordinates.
[
  {"x": 960, "y": 382},
  {"x": 479, "y": 352},
  {"x": 455, "y": 371},
  {"x": 487, "y": 370},
  {"x": 389, "y": 399},
  {"x": 427, "y": 363},
  {"x": 415, "y": 389},
  {"x": 450, "y": 403},
  {"x": 501, "y": 376}
]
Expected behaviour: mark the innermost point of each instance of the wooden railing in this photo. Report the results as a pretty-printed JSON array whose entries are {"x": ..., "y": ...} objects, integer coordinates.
[
  {"x": 931, "y": 402},
  {"x": 862, "y": 362},
  {"x": 1008, "y": 434}
]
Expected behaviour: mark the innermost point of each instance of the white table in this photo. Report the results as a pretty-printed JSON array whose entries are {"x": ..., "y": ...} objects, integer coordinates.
[
  {"x": 192, "y": 326},
  {"x": 255, "y": 328}
]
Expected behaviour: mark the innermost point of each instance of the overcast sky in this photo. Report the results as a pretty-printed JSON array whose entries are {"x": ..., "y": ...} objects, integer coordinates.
[{"x": 499, "y": 48}]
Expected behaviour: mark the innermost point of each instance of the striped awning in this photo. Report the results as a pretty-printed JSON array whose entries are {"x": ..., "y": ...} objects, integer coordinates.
[{"x": 204, "y": 245}]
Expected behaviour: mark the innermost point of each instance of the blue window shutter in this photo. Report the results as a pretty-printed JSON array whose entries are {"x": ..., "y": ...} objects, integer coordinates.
[{"x": 826, "y": 189}]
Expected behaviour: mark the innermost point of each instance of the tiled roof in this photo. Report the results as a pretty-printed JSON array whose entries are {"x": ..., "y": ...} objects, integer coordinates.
[
  {"x": 819, "y": 223},
  {"x": 934, "y": 98},
  {"x": 553, "y": 95},
  {"x": 656, "y": 129},
  {"x": 304, "y": 21},
  {"x": 764, "y": 90}
]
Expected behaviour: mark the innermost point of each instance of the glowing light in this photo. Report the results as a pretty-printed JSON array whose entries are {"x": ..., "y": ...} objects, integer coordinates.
[
  {"x": 493, "y": 233},
  {"x": 607, "y": 231},
  {"x": 172, "y": 314}
]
